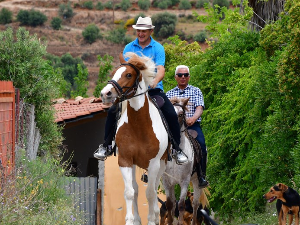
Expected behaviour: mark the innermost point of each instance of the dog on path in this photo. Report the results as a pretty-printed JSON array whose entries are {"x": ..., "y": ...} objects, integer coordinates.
[{"x": 288, "y": 202}]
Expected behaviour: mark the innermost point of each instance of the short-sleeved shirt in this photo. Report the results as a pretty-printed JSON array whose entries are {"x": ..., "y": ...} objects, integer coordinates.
[
  {"x": 154, "y": 50},
  {"x": 196, "y": 98}
]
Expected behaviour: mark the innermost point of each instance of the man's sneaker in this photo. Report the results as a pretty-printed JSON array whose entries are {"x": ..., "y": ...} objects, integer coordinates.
[
  {"x": 103, "y": 152},
  {"x": 179, "y": 157},
  {"x": 202, "y": 182}
]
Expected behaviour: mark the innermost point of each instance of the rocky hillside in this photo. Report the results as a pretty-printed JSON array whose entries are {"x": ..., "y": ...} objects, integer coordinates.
[{"x": 69, "y": 39}]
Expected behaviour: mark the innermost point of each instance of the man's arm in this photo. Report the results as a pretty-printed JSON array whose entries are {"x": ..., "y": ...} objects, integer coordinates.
[
  {"x": 159, "y": 76},
  {"x": 198, "y": 113}
]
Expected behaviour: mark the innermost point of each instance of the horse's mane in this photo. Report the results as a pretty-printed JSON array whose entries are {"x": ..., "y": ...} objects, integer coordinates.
[{"x": 148, "y": 73}]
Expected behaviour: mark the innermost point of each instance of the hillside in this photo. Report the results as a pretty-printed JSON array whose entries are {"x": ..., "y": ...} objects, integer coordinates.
[{"x": 69, "y": 39}]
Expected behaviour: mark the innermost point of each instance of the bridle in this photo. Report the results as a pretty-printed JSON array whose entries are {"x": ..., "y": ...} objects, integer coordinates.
[
  {"x": 183, "y": 115},
  {"x": 130, "y": 91}
]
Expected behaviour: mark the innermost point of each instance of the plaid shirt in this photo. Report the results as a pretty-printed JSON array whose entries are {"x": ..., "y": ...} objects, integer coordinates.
[{"x": 196, "y": 98}]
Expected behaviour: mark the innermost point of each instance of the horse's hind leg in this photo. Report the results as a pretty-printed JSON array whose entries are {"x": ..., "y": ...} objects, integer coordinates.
[
  {"x": 128, "y": 193},
  {"x": 197, "y": 194},
  {"x": 137, "y": 218}
]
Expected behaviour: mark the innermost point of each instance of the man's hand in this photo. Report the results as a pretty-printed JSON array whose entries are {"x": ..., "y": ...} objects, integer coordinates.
[
  {"x": 190, "y": 121},
  {"x": 153, "y": 83}
]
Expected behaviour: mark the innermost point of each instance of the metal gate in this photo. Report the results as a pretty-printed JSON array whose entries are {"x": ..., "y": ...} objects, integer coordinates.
[{"x": 84, "y": 193}]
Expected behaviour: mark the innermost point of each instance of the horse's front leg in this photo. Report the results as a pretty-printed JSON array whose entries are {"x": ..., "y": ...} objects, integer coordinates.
[
  {"x": 137, "y": 218},
  {"x": 151, "y": 191},
  {"x": 128, "y": 193}
]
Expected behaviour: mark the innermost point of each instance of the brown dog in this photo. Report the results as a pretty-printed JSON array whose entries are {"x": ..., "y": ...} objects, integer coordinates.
[
  {"x": 288, "y": 202},
  {"x": 188, "y": 212}
]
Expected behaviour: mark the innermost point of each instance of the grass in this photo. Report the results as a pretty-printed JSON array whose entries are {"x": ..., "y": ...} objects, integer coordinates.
[
  {"x": 269, "y": 217},
  {"x": 34, "y": 194}
]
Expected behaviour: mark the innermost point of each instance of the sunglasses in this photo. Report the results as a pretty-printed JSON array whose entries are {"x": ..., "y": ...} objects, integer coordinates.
[{"x": 183, "y": 74}]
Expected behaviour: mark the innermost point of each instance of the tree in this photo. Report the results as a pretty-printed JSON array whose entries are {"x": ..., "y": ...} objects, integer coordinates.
[
  {"x": 5, "y": 16},
  {"x": 80, "y": 82},
  {"x": 91, "y": 33},
  {"x": 105, "y": 64},
  {"x": 22, "y": 61},
  {"x": 264, "y": 12}
]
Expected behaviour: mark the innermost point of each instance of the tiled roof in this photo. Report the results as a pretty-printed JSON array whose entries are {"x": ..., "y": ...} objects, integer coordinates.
[{"x": 78, "y": 107}]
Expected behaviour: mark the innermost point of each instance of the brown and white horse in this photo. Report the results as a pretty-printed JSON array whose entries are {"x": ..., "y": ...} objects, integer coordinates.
[
  {"x": 141, "y": 137},
  {"x": 181, "y": 174}
]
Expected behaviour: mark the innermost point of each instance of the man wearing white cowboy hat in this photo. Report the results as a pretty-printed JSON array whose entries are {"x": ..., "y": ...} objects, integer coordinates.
[{"x": 145, "y": 45}]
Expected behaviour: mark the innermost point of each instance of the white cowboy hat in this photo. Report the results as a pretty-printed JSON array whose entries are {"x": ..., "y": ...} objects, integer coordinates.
[{"x": 143, "y": 24}]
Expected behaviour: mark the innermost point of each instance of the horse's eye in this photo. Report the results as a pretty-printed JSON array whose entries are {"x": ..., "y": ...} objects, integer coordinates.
[{"x": 128, "y": 75}]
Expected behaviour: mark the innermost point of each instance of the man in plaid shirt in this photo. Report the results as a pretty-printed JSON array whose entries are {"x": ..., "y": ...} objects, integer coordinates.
[{"x": 195, "y": 110}]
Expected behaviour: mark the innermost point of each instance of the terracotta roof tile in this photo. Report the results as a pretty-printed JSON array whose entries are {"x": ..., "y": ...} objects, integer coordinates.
[{"x": 71, "y": 109}]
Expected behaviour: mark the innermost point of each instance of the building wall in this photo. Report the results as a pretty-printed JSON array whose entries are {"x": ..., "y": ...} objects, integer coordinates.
[{"x": 82, "y": 138}]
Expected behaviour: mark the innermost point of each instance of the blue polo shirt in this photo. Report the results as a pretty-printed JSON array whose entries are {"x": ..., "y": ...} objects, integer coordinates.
[{"x": 154, "y": 50}]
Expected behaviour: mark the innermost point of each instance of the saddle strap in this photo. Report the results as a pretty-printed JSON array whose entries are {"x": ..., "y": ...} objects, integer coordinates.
[{"x": 165, "y": 125}]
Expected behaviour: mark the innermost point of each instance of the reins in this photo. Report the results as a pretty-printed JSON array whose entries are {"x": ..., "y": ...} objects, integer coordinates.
[
  {"x": 183, "y": 119},
  {"x": 122, "y": 96}
]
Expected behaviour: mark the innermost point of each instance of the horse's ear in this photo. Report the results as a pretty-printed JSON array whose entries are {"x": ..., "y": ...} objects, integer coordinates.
[
  {"x": 186, "y": 100},
  {"x": 122, "y": 60}
]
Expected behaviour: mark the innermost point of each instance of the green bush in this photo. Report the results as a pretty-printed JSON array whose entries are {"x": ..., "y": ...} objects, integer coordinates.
[
  {"x": 144, "y": 4},
  {"x": 164, "y": 24},
  {"x": 108, "y": 5},
  {"x": 185, "y": 4},
  {"x": 88, "y": 5},
  {"x": 5, "y": 16},
  {"x": 164, "y": 4},
  {"x": 174, "y": 2},
  {"x": 221, "y": 3},
  {"x": 31, "y": 18},
  {"x": 91, "y": 33},
  {"x": 200, "y": 3},
  {"x": 65, "y": 11},
  {"x": 99, "y": 6},
  {"x": 118, "y": 36},
  {"x": 200, "y": 36},
  {"x": 125, "y": 5},
  {"x": 56, "y": 23}
]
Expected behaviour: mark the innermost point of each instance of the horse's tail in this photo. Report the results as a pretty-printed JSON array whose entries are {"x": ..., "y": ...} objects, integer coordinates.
[
  {"x": 203, "y": 197},
  {"x": 160, "y": 201}
]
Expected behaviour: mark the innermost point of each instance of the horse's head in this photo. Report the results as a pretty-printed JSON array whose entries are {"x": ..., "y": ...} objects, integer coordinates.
[
  {"x": 180, "y": 106},
  {"x": 127, "y": 78}
]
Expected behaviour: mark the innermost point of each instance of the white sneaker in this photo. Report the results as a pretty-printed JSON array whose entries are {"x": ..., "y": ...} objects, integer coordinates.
[{"x": 103, "y": 152}]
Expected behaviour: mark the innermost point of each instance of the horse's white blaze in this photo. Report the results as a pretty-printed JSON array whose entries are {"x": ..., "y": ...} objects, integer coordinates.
[
  {"x": 118, "y": 73},
  {"x": 116, "y": 77}
]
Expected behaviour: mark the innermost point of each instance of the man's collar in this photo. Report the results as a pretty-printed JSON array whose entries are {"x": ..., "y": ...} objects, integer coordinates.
[{"x": 187, "y": 87}]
